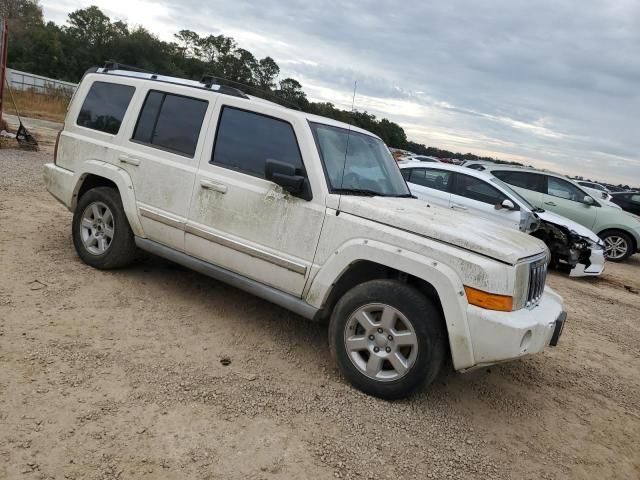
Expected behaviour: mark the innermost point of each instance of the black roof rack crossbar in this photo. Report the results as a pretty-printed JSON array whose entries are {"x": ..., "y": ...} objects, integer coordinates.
[{"x": 209, "y": 79}]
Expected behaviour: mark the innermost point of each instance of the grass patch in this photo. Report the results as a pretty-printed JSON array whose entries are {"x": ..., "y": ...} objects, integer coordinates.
[{"x": 47, "y": 106}]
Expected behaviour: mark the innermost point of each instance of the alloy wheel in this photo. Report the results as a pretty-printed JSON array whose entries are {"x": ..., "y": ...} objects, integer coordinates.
[
  {"x": 615, "y": 247},
  {"x": 97, "y": 228},
  {"x": 381, "y": 342}
]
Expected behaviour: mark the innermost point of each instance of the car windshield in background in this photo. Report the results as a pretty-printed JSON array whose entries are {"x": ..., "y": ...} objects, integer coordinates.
[
  {"x": 358, "y": 164},
  {"x": 515, "y": 194}
]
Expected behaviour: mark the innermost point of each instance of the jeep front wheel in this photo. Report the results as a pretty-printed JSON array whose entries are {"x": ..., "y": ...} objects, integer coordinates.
[
  {"x": 387, "y": 338},
  {"x": 101, "y": 232}
]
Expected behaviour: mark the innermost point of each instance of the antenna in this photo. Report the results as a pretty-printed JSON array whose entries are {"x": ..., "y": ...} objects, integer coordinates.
[{"x": 346, "y": 151}]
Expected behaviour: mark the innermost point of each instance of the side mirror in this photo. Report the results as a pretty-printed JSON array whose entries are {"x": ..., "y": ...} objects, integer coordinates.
[
  {"x": 507, "y": 204},
  {"x": 588, "y": 200},
  {"x": 285, "y": 175}
]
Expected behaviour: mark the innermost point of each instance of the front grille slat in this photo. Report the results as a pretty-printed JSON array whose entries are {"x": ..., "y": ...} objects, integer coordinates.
[{"x": 537, "y": 280}]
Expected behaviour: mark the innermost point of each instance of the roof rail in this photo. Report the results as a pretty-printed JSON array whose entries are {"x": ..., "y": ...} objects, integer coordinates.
[{"x": 207, "y": 82}]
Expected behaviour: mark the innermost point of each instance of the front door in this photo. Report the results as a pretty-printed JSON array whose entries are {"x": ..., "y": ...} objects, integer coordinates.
[
  {"x": 566, "y": 199},
  {"x": 241, "y": 221},
  {"x": 481, "y": 199}
]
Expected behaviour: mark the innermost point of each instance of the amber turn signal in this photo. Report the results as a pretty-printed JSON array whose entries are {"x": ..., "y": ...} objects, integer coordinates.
[{"x": 490, "y": 301}]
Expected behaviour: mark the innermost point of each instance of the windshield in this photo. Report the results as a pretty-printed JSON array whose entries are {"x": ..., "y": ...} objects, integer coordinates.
[
  {"x": 515, "y": 194},
  {"x": 369, "y": 168}
]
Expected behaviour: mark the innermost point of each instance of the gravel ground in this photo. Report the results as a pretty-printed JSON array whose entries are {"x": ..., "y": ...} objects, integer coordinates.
[{"x": 159, "y": 372}]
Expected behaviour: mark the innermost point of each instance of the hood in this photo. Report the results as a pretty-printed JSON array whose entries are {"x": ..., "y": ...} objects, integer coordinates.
[
  {"x": 556, "y": 219},
  {"x": 442, "y": 224}
]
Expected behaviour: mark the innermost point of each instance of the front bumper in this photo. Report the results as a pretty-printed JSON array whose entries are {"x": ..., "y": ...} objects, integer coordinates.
[
  {"x": 596, "y": 267},
  {"x": 500, "y": 336},
  {"x": 60, "y": 183}
]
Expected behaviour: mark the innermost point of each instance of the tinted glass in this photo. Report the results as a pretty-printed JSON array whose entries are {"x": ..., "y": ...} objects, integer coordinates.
[
  {"x": 406, "y": 173},
  {"x": 635, "y": 198},
  {"x": 563, "y": 189},
  {"x": 436, "y": 179},
  {"x": 355, "y": 161},
  {"x": 171, "y": 122},
  {"x": 477, "y": 189},
  {"x": 245, "y": 140},
  {"x": 104, "y": 107},
  {"x": 529, "y": 181},
  {"x": 148, "y": 115}
]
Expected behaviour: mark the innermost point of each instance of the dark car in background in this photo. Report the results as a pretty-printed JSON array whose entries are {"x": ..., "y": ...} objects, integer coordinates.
[{"x": 628, "y": 201}]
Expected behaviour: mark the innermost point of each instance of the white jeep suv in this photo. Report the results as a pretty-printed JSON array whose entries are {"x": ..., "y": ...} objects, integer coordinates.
[{"x": 306, "y": 212}]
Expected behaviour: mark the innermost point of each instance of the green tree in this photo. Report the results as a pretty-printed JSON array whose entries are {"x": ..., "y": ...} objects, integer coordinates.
[
  {"x": 291, "y": 92},
  {"x": 266, "y": 73}
]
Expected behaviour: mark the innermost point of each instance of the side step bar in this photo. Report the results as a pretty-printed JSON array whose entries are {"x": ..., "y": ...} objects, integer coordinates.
[{"x": 284, "y": 300}]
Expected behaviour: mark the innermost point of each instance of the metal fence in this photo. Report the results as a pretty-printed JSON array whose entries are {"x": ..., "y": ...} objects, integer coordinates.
[{"x": 28, "y": 81}]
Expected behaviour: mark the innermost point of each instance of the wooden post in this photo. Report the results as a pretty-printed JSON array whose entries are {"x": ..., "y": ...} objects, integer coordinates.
[{"x": 4, "y": 48}]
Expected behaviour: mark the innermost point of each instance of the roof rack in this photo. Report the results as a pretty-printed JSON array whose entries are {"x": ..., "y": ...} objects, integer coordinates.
[
  {"x": 209, "y": 79},
  {"x": 113, "y": 65},
  {"x": 208, "y": 82}
]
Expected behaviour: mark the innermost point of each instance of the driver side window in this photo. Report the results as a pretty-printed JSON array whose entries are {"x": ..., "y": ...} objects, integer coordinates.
[{"x": 557, "y": 187}]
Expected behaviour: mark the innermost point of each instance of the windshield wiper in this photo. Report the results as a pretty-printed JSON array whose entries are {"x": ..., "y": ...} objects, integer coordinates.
[
  {"x": 370, "y": 193},
  {"x": 359, "y": 191}
]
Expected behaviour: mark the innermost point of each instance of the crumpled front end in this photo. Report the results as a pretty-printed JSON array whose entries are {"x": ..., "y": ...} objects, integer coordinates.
[{"x": 583, "y": 255}]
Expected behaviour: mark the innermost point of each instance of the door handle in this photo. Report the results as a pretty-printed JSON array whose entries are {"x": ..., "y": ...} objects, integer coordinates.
[
  {"x": 127, "y": 159},
  {"x": 550, "y": 203},
  {"x": 216, "y": 187},
  {"x": 458, "y": 207}
]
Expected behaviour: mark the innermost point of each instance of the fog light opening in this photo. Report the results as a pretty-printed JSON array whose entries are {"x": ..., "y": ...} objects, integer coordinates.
[{"x": 526, "y": 339}]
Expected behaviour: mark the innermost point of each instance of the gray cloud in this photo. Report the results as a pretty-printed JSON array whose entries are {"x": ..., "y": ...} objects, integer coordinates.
[{"x": 550, "y": 83}]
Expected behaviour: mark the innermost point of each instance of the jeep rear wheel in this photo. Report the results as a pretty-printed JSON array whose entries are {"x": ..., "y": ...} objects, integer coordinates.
[
  {"x": 101, "y": 232},
  {"x": 387, "y": 338}
]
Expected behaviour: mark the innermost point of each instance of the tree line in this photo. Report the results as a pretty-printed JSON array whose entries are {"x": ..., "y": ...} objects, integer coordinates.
[{"x": 90, "y": 38}]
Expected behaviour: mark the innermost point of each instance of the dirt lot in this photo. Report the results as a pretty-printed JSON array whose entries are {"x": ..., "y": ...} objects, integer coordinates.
[{"x": 114, "y": 375}]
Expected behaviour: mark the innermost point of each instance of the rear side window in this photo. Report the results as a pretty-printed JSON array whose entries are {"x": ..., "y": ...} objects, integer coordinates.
[
  {"x": 245, "y": 140},
  {"x": 477, "y": 189},
  {"x": 104, "y": 107},
  {"x": 528, "y": 181},
  {"x": 171, "y": 122},
  {"x": 436, "y": 179}
]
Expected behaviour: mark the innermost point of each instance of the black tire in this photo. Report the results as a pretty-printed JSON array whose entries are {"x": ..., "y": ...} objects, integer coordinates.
[
  {"x": 420, "y": 312},
  {"x": 625, "y": 237},
  {"x": 122, "y": 248}
]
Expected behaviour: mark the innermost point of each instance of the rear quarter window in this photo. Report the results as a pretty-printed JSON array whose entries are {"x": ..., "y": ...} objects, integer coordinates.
[
  {"x": 170, "y": 122},
  {"x": 104, "y": 107}
]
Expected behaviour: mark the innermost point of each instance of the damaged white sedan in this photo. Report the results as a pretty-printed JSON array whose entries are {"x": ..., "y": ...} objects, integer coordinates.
[{"x": 481, "y": 194}]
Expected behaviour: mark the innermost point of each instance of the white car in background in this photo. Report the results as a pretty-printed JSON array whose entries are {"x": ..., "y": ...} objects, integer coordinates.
[
  {"x": 419, "y": 158},
  {"x": 595, "y": 189},
  {"x": 481, "y": 194}
]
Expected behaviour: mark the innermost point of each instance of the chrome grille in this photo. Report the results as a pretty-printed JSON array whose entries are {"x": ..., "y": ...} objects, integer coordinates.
[{"x": 537, "y": 280}]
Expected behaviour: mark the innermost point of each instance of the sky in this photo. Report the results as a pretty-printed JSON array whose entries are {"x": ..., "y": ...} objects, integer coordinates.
[{"x": 550, "y": 83}]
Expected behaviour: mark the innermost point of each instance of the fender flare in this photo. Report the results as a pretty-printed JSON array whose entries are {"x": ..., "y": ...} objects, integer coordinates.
[
  {"x": 125, "y": 187},
  {"x": 443, "y": 278}
]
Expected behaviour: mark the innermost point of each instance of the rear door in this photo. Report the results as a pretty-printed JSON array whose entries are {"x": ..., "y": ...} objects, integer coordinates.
[
  {"x": 529, "y": 185},
  {"x": 431, "y": 185},
  {"x": 476, "y": 196},
  {"x": 160, "y": 154}
]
